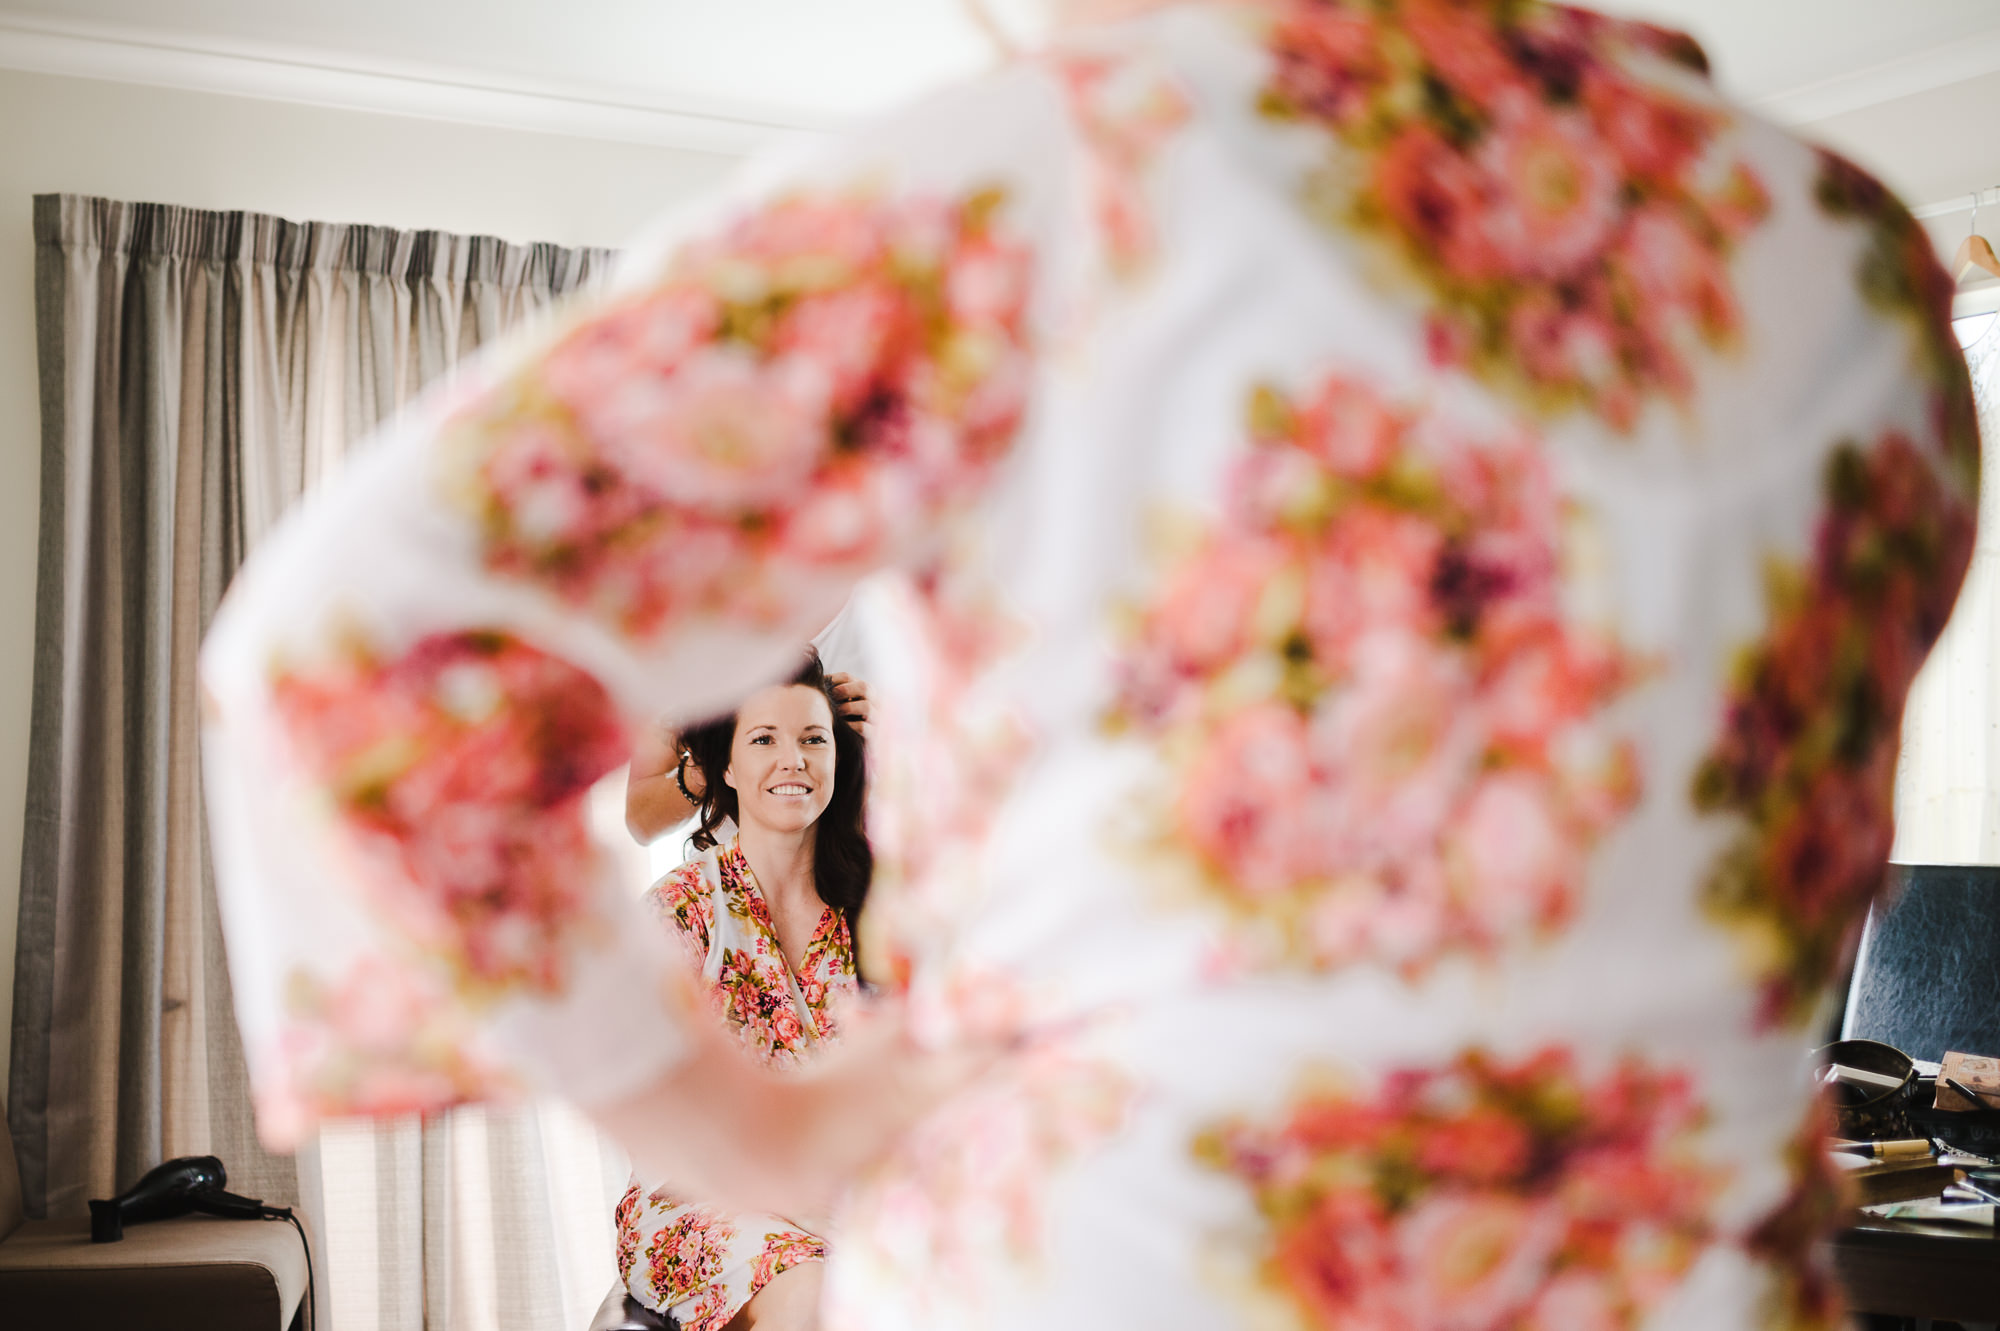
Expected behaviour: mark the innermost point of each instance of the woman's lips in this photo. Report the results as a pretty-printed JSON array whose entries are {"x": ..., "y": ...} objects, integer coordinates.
[{"x": 789, "y": 788}]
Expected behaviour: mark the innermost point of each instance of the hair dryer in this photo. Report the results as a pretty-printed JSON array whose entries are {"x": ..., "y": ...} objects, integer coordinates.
[{"x": 191, "y": 1183}]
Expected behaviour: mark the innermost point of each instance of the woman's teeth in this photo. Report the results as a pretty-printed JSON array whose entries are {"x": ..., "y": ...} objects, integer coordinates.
[{"x": 791, "y": 789}]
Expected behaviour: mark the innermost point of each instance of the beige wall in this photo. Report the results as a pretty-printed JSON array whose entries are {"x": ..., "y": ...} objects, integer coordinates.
[{"x": 306, "y": 163}]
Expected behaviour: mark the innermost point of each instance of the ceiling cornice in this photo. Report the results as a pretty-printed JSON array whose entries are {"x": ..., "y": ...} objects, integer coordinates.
[
  {"x": 312, "y": 76},
  {"x": 1967, "y": 58},
  {"x": 39, "y": 45}
]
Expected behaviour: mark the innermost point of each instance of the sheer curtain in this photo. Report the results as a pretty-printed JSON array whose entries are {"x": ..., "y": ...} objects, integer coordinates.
[
  {"x": 199, "y": 371},
  {"x": 1948, "y": 775}
]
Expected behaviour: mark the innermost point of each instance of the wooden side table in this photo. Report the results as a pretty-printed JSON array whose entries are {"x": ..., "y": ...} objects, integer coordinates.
[{"x": 1910, "y": 1268}]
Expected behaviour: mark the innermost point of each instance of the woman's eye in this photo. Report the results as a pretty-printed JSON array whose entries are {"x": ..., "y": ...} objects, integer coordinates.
[
  {"x": 760, "y": 739},
  {"x": 815, "y": 739}
]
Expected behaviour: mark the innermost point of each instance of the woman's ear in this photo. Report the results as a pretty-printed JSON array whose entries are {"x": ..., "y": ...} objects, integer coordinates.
[{"x": 729, "y": 776}]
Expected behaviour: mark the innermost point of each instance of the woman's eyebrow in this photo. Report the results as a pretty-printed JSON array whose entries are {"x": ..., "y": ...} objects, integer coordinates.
[{"x": 754, "y": 729}]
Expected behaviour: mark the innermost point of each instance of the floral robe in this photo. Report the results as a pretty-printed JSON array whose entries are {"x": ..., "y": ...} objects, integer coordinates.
[
  {"x": 1398, "y": 532},
  {"x": 697, "y": 1263}
]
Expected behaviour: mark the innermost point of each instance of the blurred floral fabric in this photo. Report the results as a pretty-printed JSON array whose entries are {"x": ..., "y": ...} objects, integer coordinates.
[
  {"x": 1398, "y": 534},
  {"x": 696, "y": 1262}
]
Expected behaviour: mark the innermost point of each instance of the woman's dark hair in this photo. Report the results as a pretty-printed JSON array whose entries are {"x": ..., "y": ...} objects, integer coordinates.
[{"x": 843, "y": 863}]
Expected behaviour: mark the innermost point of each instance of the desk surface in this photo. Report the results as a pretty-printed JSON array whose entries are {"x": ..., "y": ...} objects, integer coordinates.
[{"x": 1913, "y": 1268}]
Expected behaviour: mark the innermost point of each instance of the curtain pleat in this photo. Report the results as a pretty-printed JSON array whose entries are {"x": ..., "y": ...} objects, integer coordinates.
[{"x": 199, "y": 372}]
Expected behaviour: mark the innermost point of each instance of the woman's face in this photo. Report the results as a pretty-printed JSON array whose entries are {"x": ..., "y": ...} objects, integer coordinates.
[{"x": 781, "y": 761}]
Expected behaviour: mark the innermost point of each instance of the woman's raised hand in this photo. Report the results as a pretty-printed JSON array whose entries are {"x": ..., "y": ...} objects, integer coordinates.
[
  {"x": 727, "y": 1129},
  {"x": 852, "y": 693}
]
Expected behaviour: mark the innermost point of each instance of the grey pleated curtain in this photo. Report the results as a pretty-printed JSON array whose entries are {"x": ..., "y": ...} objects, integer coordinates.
[{"x": 199, "y": 371}]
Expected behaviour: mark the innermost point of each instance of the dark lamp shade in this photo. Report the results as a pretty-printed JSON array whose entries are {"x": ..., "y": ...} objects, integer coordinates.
[{"x": 1927, "y": 976}]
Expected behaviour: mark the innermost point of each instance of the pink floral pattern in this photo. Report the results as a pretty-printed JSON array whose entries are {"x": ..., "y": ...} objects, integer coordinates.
[
  {"x": 792, "y": 398},
  {"x": 1569, "y": 218},
  {"x": 938, "y": 777},
  {"x": 1126, "y": 111},
  {"x": 688, "y": 1253},
  {"x": 1791, "y": 1238},
  {"x": 383, "y": 1040},
  {"x": 1807, "y": 753},
  {"x": 701, "y": 1264},
  {"x": 713, "y": 904},
  {"x": 970, "y": 1182},
  {"x": 1385, "y": 732},
  {"x": 1382, "y": 734},
  {"x": 1481, "y": 1195},
  {"x": 826, "y": 968},
  {"x": 460, "y": 767},
  {"x": 707, "y": 1311},
  {"x": 1900, "y": 275},
  {"x": 752, "y": 984},
  {"x": 761, "y": 1012},
  {"x": 1806, "y": 759},
  {"x": 783, "y": 1250},
  {"x": 625, "y": 1220},
  {"x": 682, "y": 898}
]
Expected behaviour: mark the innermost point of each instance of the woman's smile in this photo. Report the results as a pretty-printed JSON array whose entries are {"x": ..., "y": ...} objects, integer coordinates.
[{"x": 782, "y": 758}]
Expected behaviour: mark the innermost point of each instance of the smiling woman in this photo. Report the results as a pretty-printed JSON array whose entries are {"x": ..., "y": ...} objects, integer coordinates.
[
  {"x": 767, "y": 908},
  {"x": 752, "y": 764}
]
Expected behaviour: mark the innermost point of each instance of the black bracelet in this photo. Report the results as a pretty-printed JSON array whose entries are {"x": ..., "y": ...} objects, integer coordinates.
[{"x": 680, "y": 779}]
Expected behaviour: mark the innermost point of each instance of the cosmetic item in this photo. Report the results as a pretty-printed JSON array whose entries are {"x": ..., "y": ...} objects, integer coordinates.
[
  {"x": 1985, "y": 1181},
  {"x": 1870, "y": 1086},
  {"x": 1968, "y": 1081},
  {"x": 1866, "y": 1081},
  {"x": 1903, "y": 1148}
]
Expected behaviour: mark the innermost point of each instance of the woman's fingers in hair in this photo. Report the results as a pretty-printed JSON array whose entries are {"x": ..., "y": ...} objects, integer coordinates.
[
  {"x": 852, "y": 695},
  {"x": 693, "y": 784}
]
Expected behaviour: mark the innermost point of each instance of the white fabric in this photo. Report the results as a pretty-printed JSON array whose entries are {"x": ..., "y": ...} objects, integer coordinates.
[
  {"x": 1948, "y": 777},
  {"x": 1032, "y": 822}
]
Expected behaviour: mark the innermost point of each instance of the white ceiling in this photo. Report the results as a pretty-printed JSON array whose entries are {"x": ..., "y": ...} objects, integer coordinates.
[
  {"x": 1768, "y": 48},
  {"x": 813, "y": 62},
  {"x": 789, "y": 61}
]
